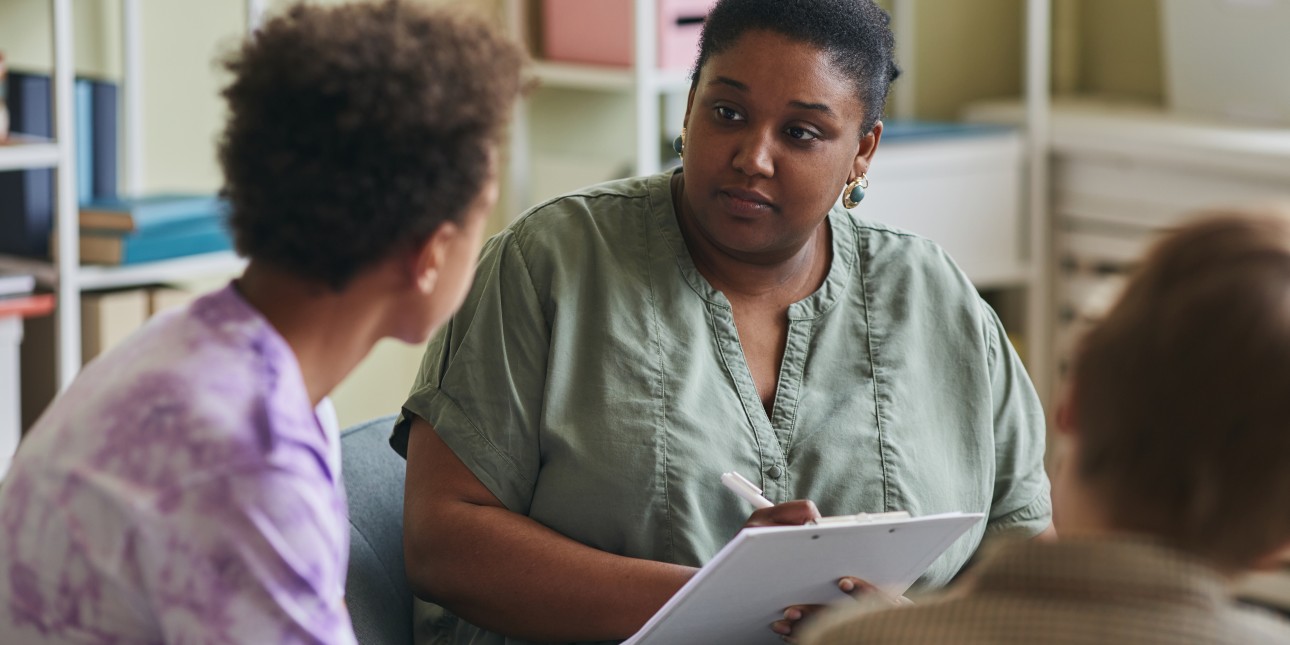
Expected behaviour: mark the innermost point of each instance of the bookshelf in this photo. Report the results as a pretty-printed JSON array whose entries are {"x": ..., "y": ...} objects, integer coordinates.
[
  {"x": 66, "y": 276},
  {"x": 607, "y": 79},
  {"x": 645, "y": 83}
]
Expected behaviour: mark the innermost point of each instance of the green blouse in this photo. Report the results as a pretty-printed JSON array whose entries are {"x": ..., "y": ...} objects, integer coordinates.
[{"x": 594, "y": 381}]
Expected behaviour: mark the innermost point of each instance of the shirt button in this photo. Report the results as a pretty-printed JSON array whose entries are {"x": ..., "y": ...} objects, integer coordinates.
[{"x": 774, "y": 472}]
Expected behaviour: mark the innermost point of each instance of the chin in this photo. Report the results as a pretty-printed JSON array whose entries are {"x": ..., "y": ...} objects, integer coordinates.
[
  {"x": 743, "y": 235},
  {"x": 748, "y": 243}
]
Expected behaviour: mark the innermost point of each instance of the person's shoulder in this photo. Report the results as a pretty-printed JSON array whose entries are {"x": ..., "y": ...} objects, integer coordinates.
[
  {"x": 600, "y": 223},
  {"x": 890, "y": 244},
  {"x": 889, "y": 255},
  {"x": 205, "y": 347},
  {"x": 200, "y": 388},
  {"x": 870, "y": 623},
  {"x": 603, "y": 207}
]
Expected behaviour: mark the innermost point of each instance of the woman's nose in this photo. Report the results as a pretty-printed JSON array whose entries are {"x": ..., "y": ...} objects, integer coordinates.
[{"x": 754, "y": 156}]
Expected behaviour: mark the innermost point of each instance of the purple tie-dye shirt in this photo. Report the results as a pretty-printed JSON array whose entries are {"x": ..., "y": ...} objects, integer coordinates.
[{"x": 182, "y": 490}]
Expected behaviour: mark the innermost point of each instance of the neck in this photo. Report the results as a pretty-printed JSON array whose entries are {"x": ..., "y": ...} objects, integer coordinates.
[
  {"x": 790, "y": 274},
  {"x": 1077, "y": 509},
  {"x": 329, "y": 331}
]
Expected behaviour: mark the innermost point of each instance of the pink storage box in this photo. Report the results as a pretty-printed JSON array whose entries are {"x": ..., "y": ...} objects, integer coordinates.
[{"x": 600, "y": 31}]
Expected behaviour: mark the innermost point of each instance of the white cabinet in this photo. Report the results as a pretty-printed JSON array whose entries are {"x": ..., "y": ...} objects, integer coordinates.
[
  {"x": 1121, "y": 175},
  {"x": 963, "y": 190}
]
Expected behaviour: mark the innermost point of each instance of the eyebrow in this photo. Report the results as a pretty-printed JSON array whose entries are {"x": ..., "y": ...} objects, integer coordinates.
[{"x": 818, "y": 107}]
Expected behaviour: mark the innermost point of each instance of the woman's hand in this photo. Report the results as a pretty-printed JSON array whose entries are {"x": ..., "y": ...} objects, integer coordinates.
[
  {"x": 794, "y": 513},
  {"x": 854, "y": 587}
]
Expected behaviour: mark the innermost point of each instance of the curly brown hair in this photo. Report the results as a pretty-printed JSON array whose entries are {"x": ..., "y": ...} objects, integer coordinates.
[{"x": 356, "y": 130}]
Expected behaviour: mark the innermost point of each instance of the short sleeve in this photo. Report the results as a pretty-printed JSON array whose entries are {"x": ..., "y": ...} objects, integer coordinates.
[
  {"x": 250, "y": 557},
  {"x": 1021, "y": 501},
  {"x": 482, "y": 381}
]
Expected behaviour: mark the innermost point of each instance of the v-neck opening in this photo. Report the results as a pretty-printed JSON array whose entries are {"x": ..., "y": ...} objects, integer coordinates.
[{"x": 773, "y": 431}]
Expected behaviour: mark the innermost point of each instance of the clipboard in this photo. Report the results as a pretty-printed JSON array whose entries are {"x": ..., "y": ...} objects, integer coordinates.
[{"x": 749, "y": 583}]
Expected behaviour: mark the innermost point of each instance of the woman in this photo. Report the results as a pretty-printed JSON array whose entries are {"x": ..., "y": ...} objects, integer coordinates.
[
  {"x": 183, "y": 488},
  {"x": 626, "y": 344}
]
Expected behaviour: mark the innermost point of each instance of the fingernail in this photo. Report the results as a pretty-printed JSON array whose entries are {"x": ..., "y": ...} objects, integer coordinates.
[
  {"x": 847, "y": 585},
  {"x": 792, "y": 614}
]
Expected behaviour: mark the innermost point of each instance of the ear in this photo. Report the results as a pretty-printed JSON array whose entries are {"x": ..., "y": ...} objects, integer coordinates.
[
  {"x": 689, "y": 103},
  {"x": 428, "y": 258},
  {"x": 865, "y": 151}
]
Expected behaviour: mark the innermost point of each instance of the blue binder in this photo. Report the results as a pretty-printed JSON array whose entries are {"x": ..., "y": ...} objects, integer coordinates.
[{"x": 27, "y": 196}]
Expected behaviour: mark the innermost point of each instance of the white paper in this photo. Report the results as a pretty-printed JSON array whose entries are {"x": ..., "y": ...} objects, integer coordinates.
[{"x": 762, "y": 571}]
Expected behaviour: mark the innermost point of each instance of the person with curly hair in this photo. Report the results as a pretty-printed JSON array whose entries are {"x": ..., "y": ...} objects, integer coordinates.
[
  {"x": 628, "y": 343},
  {"x": 186, "y": 487}
]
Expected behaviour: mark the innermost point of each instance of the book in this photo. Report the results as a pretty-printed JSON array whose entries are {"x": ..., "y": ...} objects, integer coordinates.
[
  {"x": 203, "y": 236},
  {"x": 150, "y": 212},
  {"x": 104, "y": 139},
  {"x": 747, "y": 585},
  {"x": 109, "y": 317},
  {"x": 84, "y": 135},
  {"x": 15, "y": 283},
  {"x": 4, "y": 109},
  {"x": 29, "y": 306},
  {"x": 27, "y": 196},
  {"x": 164, "y": 298}
]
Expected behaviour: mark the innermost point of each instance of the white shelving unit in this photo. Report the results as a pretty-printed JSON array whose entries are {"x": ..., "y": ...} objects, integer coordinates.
[
  {"x": 643, "y": 81},
  {"x": 1107, "y": 177},
  {"x": 67, "y": 276},
  {"x": 1120, "y": 174},
  {"x": 22, "y": 152},
  {"x": 1039, "y": 291}
]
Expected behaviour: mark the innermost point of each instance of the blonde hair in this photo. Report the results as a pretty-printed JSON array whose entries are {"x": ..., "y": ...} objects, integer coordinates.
[{"x": 1182, "y": 392}]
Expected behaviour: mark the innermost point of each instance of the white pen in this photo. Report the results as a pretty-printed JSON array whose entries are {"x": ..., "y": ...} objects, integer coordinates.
[{"x": 745, "y": 489}]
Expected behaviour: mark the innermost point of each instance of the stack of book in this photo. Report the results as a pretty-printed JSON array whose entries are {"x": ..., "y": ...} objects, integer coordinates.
[{"x": 153, "y": 227}]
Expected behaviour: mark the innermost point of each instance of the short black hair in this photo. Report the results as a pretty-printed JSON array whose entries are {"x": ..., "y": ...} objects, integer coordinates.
[
  {"x": 855, "y": 33},
  {"x": 357, "y": 130}
]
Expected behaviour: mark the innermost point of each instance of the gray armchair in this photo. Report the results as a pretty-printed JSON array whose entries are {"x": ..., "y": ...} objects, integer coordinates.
[{"x": 376, "y": 591}]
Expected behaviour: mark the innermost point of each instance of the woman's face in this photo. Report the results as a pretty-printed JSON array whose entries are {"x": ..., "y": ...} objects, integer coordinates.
[{"x": 772, "y": 136}]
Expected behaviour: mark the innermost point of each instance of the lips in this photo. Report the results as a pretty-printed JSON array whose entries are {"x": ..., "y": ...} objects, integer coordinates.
[{"x": 747, "y": 203}]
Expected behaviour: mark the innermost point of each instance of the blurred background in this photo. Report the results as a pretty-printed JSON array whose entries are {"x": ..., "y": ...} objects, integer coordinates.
[{"x": 1042, "y": 142}]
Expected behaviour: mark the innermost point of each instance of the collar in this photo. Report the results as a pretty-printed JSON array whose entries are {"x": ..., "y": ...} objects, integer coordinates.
[{"x": 1138, "y": 570}]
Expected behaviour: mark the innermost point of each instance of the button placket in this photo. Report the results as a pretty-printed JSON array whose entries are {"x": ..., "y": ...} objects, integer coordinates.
[{"x": 768, "y": 449}]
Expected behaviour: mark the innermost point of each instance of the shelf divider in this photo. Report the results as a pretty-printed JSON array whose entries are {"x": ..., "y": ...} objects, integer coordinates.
[{"x": 22, "y": 152}]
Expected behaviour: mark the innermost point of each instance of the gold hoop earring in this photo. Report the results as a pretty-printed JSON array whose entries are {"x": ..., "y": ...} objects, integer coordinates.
[{"x": 853, "y": 194}]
